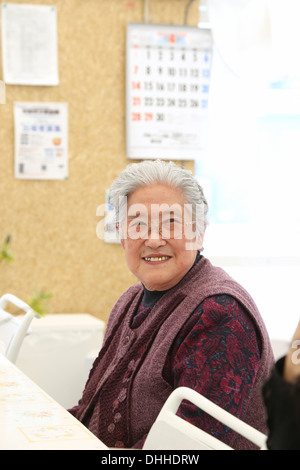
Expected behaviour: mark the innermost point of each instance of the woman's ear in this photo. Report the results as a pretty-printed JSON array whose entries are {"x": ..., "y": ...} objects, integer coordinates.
[
  {"x": 200, "y": 241},
  {"x": 196, "y": 244}
]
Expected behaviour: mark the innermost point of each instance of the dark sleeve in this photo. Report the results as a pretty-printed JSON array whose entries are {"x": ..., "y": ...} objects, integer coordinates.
[
  {"x": 73, "y": 410},
  {"x": 217, "y": 354},
  {"x": 282, "y": 401}
]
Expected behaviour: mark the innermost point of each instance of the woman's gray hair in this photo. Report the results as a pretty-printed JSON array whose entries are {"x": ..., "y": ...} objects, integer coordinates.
[{"x": 149, "y": 172}]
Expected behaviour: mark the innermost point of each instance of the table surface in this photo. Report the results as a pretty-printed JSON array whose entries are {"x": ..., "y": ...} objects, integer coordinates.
[{"x": 31, "y": 420}]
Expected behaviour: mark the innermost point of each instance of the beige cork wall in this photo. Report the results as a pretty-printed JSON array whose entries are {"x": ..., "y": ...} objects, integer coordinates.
[{"x": 53, "y": 223}]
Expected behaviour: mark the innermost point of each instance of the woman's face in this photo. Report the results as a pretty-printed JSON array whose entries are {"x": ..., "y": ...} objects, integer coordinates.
[{"x": 157, "y": 236}]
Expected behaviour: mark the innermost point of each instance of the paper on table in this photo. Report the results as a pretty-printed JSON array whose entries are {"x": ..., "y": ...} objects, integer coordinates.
[{"x": 31, "y": 419}]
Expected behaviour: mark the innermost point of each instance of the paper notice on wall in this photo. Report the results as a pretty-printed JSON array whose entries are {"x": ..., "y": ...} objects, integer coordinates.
[
  {"x": 29, "y": 44},
  {"x": 111, "y": 234},
  {"x": 41, "y": 140}
]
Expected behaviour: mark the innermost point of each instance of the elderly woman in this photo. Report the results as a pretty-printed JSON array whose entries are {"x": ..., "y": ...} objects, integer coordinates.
[{"x": 186, "y": 323}]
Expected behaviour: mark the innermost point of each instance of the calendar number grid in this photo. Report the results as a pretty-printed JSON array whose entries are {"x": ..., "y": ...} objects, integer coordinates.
[{"x": 168, "y": 80}]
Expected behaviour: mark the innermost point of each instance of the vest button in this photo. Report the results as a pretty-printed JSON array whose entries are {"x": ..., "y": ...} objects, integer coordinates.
[{"x": 126, "y": 339}]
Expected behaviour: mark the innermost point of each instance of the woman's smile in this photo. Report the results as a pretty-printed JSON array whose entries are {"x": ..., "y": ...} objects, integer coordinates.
[{"x": 156, "y": 259}]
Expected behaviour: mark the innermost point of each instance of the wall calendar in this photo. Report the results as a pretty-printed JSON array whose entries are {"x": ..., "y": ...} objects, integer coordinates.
[{"x": 167, "y": 89}]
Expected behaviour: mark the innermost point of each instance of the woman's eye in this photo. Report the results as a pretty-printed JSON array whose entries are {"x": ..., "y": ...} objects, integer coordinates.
[
  {"x": 171, "y": 221},
  {"x": 136, "y": 222},
  {"x": 139, "y": 224}
]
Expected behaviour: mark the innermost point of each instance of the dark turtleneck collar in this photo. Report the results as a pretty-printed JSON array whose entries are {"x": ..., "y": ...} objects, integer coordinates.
[{"x": 150, "y": 297}]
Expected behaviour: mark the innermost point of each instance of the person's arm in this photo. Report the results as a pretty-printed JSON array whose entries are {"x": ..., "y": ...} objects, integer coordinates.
[
  {"x": 291, "y": 369},
  {"x": 216, "y": 354},
  {"x": 73, "y": 410},
  {"x": 281, "y": 395}
]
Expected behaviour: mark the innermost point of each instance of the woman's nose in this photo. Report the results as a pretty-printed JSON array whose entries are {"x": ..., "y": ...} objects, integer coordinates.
[{"x": 154, "y": 239}]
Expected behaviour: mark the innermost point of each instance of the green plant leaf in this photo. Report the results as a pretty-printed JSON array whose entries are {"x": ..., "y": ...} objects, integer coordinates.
[
  {"x": 5, "y": 253},
  {"x": 37, "y": 302}
]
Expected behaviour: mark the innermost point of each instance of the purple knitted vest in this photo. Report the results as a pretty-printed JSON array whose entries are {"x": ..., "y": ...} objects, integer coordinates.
[{"x": 126, "y": 389}]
